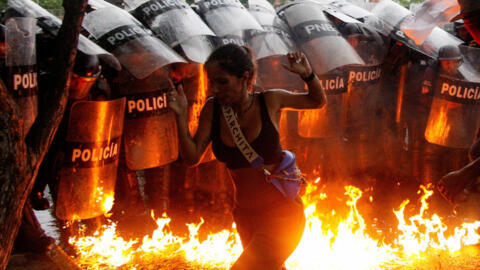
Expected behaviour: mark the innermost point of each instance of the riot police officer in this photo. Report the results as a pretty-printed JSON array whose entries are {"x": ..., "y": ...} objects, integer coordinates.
[
  {"x": 84, "y": 76},
  {"x": 85, "y": 72},
  {"x": 449, "y": 60},
  {"x": 440, "y": 158}
]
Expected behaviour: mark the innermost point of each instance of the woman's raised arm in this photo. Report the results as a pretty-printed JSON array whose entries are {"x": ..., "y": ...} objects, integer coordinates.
[
  {"x": 191, "y": 149},
  {"x": 314, "y": 98}
]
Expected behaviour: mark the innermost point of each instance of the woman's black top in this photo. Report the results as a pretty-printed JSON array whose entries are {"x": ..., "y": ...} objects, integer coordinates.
[{"x": 267, "y": 144}]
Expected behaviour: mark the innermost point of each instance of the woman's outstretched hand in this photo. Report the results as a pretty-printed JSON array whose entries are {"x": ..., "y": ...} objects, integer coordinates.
[
  {"x": 299, "y": 64},
  {"x": 177, "y": 101}
]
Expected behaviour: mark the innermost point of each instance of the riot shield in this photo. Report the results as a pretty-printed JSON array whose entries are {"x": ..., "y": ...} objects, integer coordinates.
[
  {"x": 454, "y": 116},
  {"x": 470, "y": 59},
  {"x": 135, "y": 47},
  {"x": 226, "y": 17},
  {"x": 437, "y": 39},
  {"x": 427, "y": 16},
  {"x": 150, "y": 134},
  {"x": 171, "y": 21},
  {"x": 387, "y": 15},
  {"x": 270, "y": 47},
  {"x": 87, "y": 178},
  {"x": 272, "y": 75},
  {"x": 51, "y": 24},
  {"x": 21, "y": 65},
  {"x": 197, "y": 48},
  {"x": 326, "y": 122},
  {"x": 174, "y": 22},
  {"x": 236, "y": 38},
  {"x": 360, "y": 99},
  {"x": 338, "y": 15},
  {"x": 318, "y": 38},
  {"x": 275, "y": 39},
  {"x": 365, "y": 40},
  {"x": 349, "y": 9},
  {"x": 388, "y": 19}
]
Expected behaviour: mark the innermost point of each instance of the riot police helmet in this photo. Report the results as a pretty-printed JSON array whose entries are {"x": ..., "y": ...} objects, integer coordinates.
[
  {"x": 352, "y": 29},
  {"x": 352, "y": 33},
  {"x": 86, "y": 65},
  {"x": 110, "y": 66},
  {"x": 85, "y": 72},
  {"x": 449, "y": 52}
]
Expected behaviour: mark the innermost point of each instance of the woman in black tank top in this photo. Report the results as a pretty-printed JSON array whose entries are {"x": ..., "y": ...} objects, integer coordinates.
[{"x": 270, "y": 225}]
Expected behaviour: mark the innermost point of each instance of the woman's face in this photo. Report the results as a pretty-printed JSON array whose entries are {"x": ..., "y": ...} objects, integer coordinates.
[{"x": 228, "y": 88}]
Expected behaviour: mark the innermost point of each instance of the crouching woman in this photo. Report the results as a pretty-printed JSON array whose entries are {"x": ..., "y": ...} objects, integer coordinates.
[{"x": 243, "y": 129}]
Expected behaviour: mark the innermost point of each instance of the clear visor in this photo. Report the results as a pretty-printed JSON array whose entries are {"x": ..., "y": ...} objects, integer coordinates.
[{"x": 80, "y": 85}]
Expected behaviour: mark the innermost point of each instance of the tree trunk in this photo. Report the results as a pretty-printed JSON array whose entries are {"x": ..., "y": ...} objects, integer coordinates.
[{"x": 20, "y": 156}]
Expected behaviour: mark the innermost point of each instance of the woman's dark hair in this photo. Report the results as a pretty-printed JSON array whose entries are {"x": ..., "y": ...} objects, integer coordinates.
[{"x": 235, "y": 60}]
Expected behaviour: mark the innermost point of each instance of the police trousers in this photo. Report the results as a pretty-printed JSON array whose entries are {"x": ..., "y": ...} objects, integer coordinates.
[{"x": 269, "y": 236}]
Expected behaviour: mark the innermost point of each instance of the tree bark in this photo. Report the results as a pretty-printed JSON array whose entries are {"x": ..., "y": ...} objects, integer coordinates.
[{"x": 20, "y": 157}]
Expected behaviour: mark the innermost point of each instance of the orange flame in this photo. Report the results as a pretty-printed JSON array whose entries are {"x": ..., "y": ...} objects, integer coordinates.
[
  {"x": 401, "y": 90},
  {"x": 104, "y": 248},
  {"x": 329, "y": 249},
  {"x": 438, "y": 126},
  {"x": 346, "y": 245},
  {"x": 200, "y": 98},
  {"x": 421, "y": 233},
  {"x": 108, "y": 203}
]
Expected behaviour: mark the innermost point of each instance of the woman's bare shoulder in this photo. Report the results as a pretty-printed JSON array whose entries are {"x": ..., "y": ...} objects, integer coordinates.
[
  {"x": 208, "y": 105},
  {"x": 275, "y": 95},
  {"x": 274, "y": 98},
  {"x": 276, "y": 91}
]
